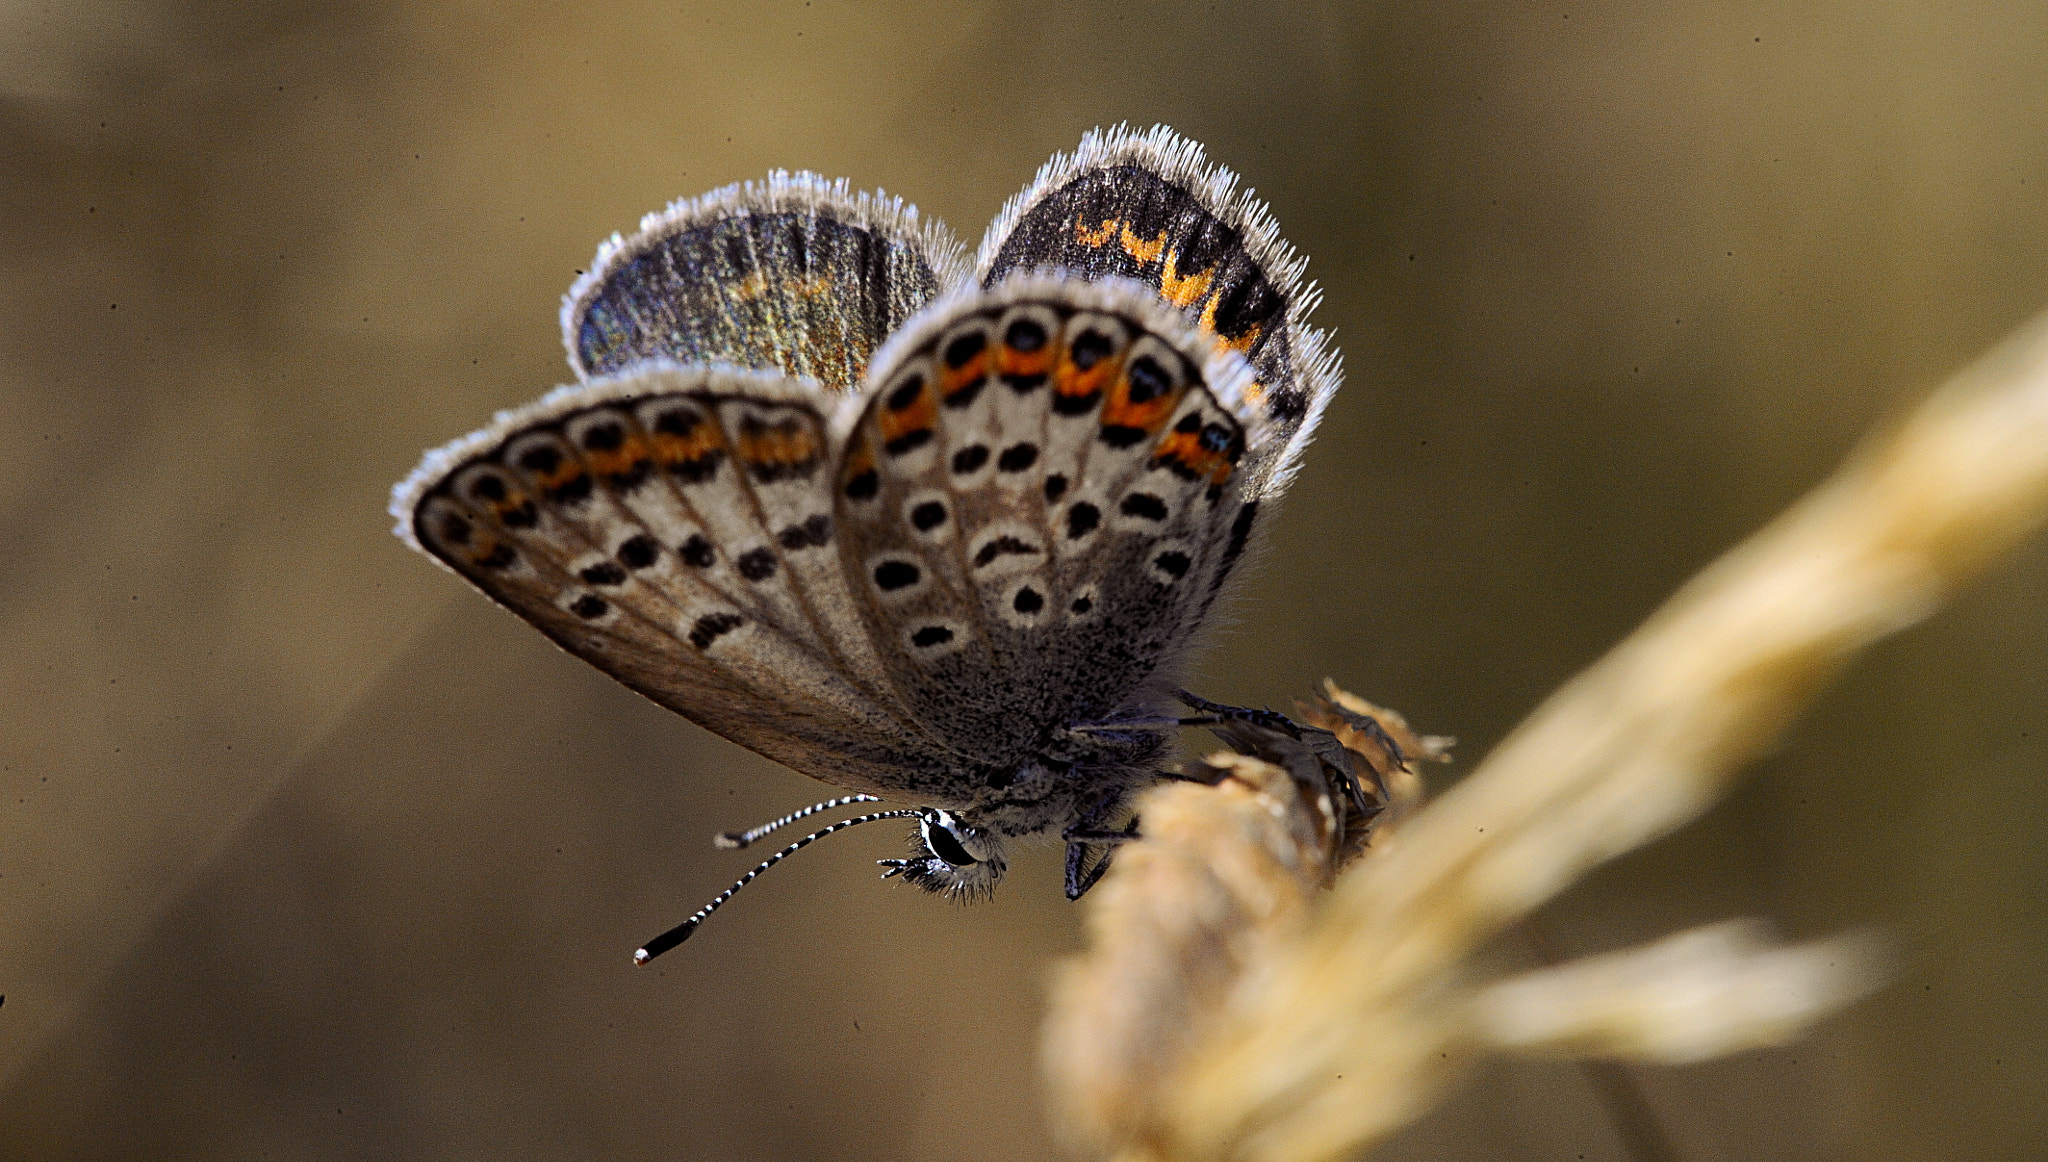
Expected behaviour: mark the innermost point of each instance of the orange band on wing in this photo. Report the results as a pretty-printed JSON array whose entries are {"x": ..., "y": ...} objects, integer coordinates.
[
  {"x": 1071, "y": 383},
  {"x": 619, "y": 461},
  {"x": 1243, "y": 343},
  {"x": 1014, "y": 363},
  {"x": 900, "y": 425},
  {"x": 1194, "y": 450},
  {"x": 559, "y": 476},
  {"x": 685, "y": 440},
  {"x": 953, "y": 380},
  {"x": 1094, "y": 238},
  {"x": 780, "y": 446},
  {"x": 1184, "y": 292},
  {"x": 1143, "y": 250},
  {"x": 859, "y": 458},
  {"x": 1122, "y": 411}
]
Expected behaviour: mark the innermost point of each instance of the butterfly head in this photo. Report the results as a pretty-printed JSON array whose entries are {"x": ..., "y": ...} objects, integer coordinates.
[{"x": 950, "y": 857}]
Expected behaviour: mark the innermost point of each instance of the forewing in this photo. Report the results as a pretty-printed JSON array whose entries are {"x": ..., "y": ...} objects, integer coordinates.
[
  {"x": 795, "y": 275},
  {"x": 1147, "y": 207},
  {"x": 1039, "y": 502},
  {"x": 674, "y": 528}
]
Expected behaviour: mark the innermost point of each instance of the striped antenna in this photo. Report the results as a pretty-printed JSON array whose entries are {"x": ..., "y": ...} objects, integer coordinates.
[
  {"x": 682, "y": 931},
  {"x": 734, "y": 840}
]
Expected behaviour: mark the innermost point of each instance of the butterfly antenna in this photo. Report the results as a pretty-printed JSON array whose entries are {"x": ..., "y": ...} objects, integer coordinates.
[
  {"x": 734, "y": 840},
  {"x": 682, "y": 931}
]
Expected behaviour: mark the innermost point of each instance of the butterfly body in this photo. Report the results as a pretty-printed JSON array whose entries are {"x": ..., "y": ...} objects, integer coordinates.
[{"x": 935, "y": 539}]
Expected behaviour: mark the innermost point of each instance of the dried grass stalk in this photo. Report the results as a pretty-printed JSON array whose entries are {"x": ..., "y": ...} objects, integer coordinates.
[{"x": 1227, "y": 1010}]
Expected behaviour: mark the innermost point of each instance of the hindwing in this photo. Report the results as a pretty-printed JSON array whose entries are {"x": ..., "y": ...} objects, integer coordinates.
[
  {"x": 1039, "y": 500},
  {"x": 1147, "y": 207}
]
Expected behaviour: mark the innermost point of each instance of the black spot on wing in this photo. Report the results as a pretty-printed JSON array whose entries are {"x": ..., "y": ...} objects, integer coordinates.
[
  {"x": 1148, "y": 380},
  {"x": 638, "y": 552},
  {"x": 1017, "y": 457},
  {"x": 814, "y": 533},
  {"x": 1145, "y": 505},
  {"x": 634, "y": 476},
  {"x": 894, "y": 575},
  {"x": 965, "y": 395},
  {"x": 1003, "y": 546},
  {"x": 908, "y": 442},
  {"x": 1082, "y": 519},
  {"x": 1076, "y": 405},
  {"x": 700, "y": 468},
  {"x": 773, "y": 473},
  {"x": 969, "y": 459},
  {"x": 964, "y": 348},
  {"x": 572, "y": 491},
  {"x": 1120, "y": 436},
  {"x": 713, "y": 626},
  {"x": 603, "y": 573},
  {"x": 1092, "y": 347},
  {"x": 757, "y": 564},
  {"x": 905, "y": 394},
  {"x": 697, "y": 552},
  {"x": 1025, "y": 335}
]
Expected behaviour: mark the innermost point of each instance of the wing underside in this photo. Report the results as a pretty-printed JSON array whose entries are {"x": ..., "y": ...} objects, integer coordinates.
[
  {"x": 1039, "y": 502},
  {"x": 674, "y": 528}
]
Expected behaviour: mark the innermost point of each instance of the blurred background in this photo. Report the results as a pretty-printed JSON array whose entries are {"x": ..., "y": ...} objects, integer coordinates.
[{"x": 307, "y": 851}]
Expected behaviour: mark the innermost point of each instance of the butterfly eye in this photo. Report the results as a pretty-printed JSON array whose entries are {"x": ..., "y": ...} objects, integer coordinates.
[{"x": 942, "y": 838}]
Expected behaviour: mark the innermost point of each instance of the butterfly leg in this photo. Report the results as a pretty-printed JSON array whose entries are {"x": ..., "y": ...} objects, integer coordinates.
[
  {"x": 1082, "y": 835},
  {"x": 1322, "y": 742},
  {"x": 1126, "y": 726},
  {"x": 1215, "y": 712},
  {"x": 1080, "y": 876}
]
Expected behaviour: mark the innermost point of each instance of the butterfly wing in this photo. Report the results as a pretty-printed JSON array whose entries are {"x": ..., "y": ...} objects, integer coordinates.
[
  {"x": 674, "y": 527},
  {"x": 1147, "y": 207},
  {"x": 795, "y": 275},
  {"x": 1038, "y": 502}
]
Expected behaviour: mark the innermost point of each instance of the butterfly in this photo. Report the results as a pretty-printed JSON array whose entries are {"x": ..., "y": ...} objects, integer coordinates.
[{"x": 926, "y": 533}]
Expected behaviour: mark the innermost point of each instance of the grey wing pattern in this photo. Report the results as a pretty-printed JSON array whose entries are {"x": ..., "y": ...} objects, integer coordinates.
[
  {"x": 674, "y": 527},
  {"x": 1146, "y": 206},
  {"x": 795, "y": 275},
  {"x": 1039, "y": 502}
]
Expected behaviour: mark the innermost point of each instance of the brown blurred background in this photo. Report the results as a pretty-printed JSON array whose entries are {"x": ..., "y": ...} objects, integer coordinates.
[{"x": 307, "y": 852}]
